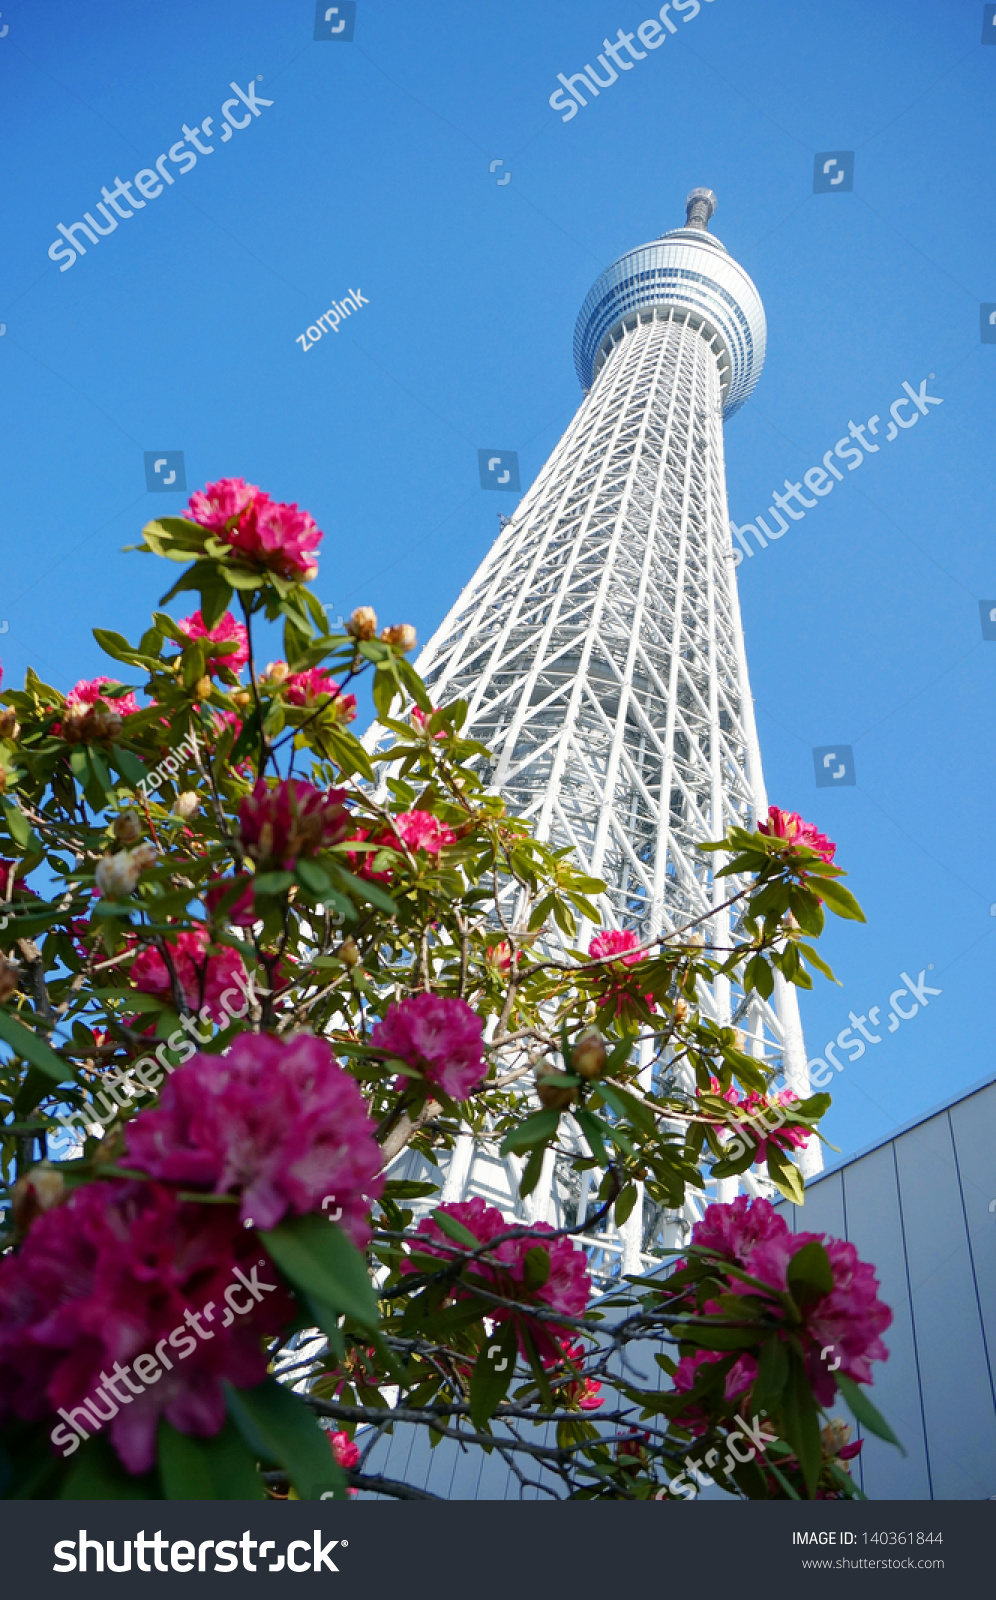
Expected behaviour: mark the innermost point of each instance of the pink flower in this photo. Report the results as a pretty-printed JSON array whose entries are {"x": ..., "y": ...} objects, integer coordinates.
[
  {"x": 582, "y": 1392},
  {"x": 567, "y": 1288},
  {"x": 361, "y": 861},
  {"x": 849, "y": 1318},
  {"x": 221, "y": 504},
  {"x": 616, "y": 942},
  {"x": 738, "y": 1380},
  {"x": 439, "y": 1036},
  {"x": 756, "y": 1108},
  {"x": 421, "y": 721},
  {"x": 88, "y": 691},
  {"x": 240, "y": 912},
  {"x": 275, "y": 1120},
  {"x": 346, "y": 1453},
  {"x": 290, "y": 819},
  {"x": 316, "y": 687},
  {"x": 202, "y": 978},
  {"x": 266, "y": 533},
  {"x": 499, "y": 956},
  {"x": 225, "y": 631},
  {"x": 420, "y": 830},
  {"x": 116, "y": 1270},
  {"x": 788, "y": 825}
]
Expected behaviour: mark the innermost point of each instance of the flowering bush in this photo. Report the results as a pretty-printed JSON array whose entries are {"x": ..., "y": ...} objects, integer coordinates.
[{"x": 259, "y": 981}]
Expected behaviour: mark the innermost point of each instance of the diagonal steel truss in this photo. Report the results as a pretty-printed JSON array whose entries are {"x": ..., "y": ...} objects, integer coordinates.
[{"x": 599, "y": 646}]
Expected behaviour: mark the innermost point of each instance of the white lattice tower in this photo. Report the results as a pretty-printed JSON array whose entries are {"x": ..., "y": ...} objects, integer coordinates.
[{"x": 600, "y": 647}]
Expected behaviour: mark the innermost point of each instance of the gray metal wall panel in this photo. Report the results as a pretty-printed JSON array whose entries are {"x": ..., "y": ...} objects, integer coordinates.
[
  {"x": 954, "y": 1373},
  {"x": 974, "y": 1126},
  {"x": 875, "y": 1229}
]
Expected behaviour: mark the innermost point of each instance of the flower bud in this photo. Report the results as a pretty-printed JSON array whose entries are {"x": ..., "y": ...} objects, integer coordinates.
[
  {"x": 348, "y": 953},
  {"x": 588, "y": 1056},
  {"x": 9, "y": 725},
  {"x": 10, "y": 977},
  {"x": 402, "y": 636},
  {"x": 127, "y": 827},
  {"x": 242, "y": 698},
  {"x": 680, "y": 1011},
  {"x": 276, "y": 672},
  {"x": 187, "y": 804},
  {"x": 203, "y": 688},
  {"x": 363, "y": 623},
  {"x": 118, "y": 874},
  {"x": 739, "y": 1038},
  {"x": 103, "y": 723},
  {"x": 696, "y": 939},
  {"x": 143, "y": 856},
  {"x": 555, "y": 1091},
  {"x": 38, "y": 1191}
]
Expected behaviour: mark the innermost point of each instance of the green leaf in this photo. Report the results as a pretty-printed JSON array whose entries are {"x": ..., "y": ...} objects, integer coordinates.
[
  {"x": 272, "y": 883},
  {"x": 625, "y": 1203},
  {"x": 219, "y": 1468},
  {"x": 591, "y": 1127},
  {"x": 758, "y": 975},
  {"x": 810, "y": 1275},
  {"x": 786, "y": 1175},
  {"x": 97, "y": 1474},
  {"x": 536, "y": 1267},
  {"x": 868, "y": 1415},
  {"x": 802, "y": 1424},
  {"x": 772, "y": 1375},
  {"x": 216, "y": 595},
  {"x": 536, "y": 1130},
  {"x": 313, "y": 878},
  {"x": 840, "y": 900},
  {"x": 371, "y": 892},
  {"x": 492, "y": 1374},
  {"x": 17, "y": 822},
  {"x": 279, "y": 1428},
  {"x": 628, "y": 1107},
  {"x": 316, "y": 1255},
  {"x": 532, "y": 1171},
  {"x": 34, "y": 1049},
  {"x": 129, "y": 766},
  {"x": 455, "y": 1230},
  {"x": 115, "y": 645}
]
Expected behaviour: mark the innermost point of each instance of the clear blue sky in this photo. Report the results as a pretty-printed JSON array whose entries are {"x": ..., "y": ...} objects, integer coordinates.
[{"x": 370, "y": 171}]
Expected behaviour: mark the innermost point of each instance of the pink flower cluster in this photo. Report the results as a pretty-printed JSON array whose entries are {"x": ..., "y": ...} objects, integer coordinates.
[
  {"x": 265, "y": 533},
  {"x": 623, "y": 944},
  {"x": 89, "y": 691},
  {"x": 440, "y": 1037},
  {"x": 112, "y": 1275},
  {"x": 278, "y": 1122},
  {"x": 202, "y": 978},
  {"x": 567, "y": 1288},
  {"x": 291, "y": 819},
  {"x": 755, "y": 1108},
  {"x": 849, "y": 1319},
  {"x": 788, "y": 825},
  {"x": 311, "y": 688},
  {"x": 225, "y": 631},
  {"x": 415, "y": 830}
]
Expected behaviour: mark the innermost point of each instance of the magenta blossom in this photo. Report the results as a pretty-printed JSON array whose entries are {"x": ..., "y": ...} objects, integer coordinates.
[
  {"x": 240, "y": 912},
  {"x": 420, "y": 830},
  {"x": 277, "y": 1121},
  {"x": 90, "y": 690},
  {"x": 265, "y": 533},
  {"x": 225, "y": 631},
  {"x": 291, "y": 819},
  {"x": 788, "y": 825},
  {"x": 120, "y": 1269},
  {"x": 317, "y": 687},
  {"x": 567, "y": 1288},
  {"x": 621, "y": 942},
  {"x": 849, "y": 1319},
  {"x": 441, "y": 1037},
  {"x": 204, "y": 980}
]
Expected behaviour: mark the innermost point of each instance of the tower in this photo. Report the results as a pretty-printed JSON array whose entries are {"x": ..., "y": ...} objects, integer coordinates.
[{"x": 600, "y": 647}]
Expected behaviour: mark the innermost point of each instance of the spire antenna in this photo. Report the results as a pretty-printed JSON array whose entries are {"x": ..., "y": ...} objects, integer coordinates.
[{"x": 699, "y": 207}]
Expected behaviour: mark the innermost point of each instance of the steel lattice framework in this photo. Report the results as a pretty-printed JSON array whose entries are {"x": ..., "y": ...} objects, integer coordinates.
[{"x": 599, "y": 644}]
